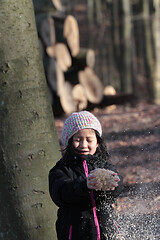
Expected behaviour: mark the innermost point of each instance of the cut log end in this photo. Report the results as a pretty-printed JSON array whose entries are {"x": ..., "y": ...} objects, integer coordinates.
[
  {"x": 79, "y": 97},
  {"x": 109, "y": 90},
  {"x": 66, "y": 99},
  {"x": 92, "y": 85},
  {"x": 63, "y": 57},
  {"x": 51, "y": 51},
  {"x": 71, "y": 33},
  {"x": 58, "y": 5},
  {"x": 90, "y": 58}
]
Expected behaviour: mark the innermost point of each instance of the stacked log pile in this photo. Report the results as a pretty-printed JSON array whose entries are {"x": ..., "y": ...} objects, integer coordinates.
[
  {"x": 72, "y": 82},
  {"x": 69, "y": 69}
]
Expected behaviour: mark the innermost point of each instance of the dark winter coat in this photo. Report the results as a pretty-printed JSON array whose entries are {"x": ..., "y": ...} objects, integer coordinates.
[{"x": 76, "y": 213}]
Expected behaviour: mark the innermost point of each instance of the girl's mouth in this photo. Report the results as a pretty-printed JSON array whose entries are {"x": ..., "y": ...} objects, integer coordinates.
[
  {"x": 84, "y": 152},
  {"x": 81, "y": 152}
]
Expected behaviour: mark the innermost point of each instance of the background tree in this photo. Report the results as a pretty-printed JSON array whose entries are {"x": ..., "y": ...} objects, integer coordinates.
[
  {"x": 156, "y": 28},
  {"x": 148, "y": 47},
  {"x": 126, "y": 79},
  {"x": 28, "y": 141}
]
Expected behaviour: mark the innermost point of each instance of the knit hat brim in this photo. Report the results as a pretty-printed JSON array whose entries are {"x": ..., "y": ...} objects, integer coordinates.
[{"x": 78, "y": 121}]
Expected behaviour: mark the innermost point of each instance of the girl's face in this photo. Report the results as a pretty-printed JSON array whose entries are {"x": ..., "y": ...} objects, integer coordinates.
[{"x": 85, "y": 141}]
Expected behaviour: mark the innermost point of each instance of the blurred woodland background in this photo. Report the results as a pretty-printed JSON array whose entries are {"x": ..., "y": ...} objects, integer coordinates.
[{"x": 89, "y": 45}]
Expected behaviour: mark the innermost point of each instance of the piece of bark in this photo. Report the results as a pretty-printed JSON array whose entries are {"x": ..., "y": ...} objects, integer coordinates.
[
  {"x": 46, "y": 30},
  {"x": 79, "y": 97},
  {"x": 50, "y": 28},
  {"x": 59, "y": 27},
  {"x": 55, "y": 77},
  {"x": 92, "y": 85},
  {"x": 50, "y": 50},
  {"x": 44, "y": 6},
  {"x": 51, "y": 74}
]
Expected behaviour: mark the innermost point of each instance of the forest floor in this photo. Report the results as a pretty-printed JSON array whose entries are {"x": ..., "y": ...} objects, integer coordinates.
[{"x": 132, "y": 135}]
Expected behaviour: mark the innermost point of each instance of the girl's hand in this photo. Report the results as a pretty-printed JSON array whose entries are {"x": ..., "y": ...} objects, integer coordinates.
[
  {"x": 102, "y": 179},
  {"x": 92, "y": 182}
]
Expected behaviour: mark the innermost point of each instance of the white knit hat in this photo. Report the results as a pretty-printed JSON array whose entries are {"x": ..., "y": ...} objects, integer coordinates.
[{"x": 78, "y": 121}]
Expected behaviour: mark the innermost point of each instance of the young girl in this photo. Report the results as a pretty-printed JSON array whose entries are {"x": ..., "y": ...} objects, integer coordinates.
[{"x": 83, "y": 184}]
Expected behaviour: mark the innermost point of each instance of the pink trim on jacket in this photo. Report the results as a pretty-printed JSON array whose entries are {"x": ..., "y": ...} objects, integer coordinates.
[
  {"x": 70, "y": 232},
  {"x": 93, "y": 203}
]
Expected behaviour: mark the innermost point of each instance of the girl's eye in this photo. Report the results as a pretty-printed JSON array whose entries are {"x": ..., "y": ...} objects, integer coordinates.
[
  {"x": 77, "y": 140},
  {"x": 89, "y": 140}
]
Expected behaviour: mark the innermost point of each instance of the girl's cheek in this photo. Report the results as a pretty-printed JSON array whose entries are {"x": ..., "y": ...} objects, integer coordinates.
[{"x": 75, "y": 144}]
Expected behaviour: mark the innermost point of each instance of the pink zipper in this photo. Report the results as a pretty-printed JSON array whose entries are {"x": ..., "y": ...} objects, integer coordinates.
[
  {"x": 70, "y": 232},
  {"x": 93, "y": 203}
]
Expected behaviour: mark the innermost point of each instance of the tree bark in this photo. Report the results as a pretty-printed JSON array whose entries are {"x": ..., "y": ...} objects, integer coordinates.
[
  {"x": 157, "y": 51},
  {"x": 126, "y": 80},
  {"x": 28, "y": 140},
  {"x": 148, "y": 47}
]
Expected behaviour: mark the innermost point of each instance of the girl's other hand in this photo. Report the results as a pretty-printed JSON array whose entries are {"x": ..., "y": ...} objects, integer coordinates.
[
  {"x": 93, "y": 183},
  {"x": 102, "y": 179}
]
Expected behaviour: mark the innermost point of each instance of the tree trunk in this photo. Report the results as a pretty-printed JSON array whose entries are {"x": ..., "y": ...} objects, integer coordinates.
[
  {"x": 157, "y": 51},
  {"x": 126, "y": 81},
  {"x": 148, "y": 47},
  {"x": 28, "y": 140}
]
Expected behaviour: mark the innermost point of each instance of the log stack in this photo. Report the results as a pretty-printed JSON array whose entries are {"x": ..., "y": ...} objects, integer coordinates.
[{"x": 69, "y": 69}]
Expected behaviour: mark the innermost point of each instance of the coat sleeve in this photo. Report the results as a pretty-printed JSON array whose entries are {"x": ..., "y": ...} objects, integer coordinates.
[{"x": 65, "y": 190}]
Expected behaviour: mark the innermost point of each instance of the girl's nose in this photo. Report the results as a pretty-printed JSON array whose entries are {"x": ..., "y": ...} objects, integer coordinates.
[{"x": 83, "y": 143}]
